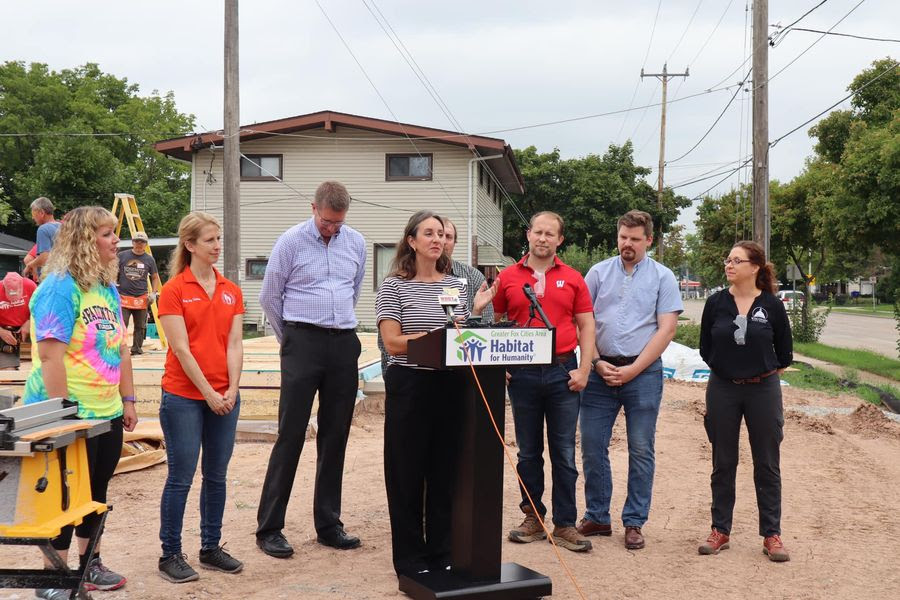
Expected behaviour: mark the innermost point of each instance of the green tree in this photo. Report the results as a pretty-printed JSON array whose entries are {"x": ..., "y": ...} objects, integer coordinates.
[
  {"x": 590, "y": 193},
  {"x": 80, "y": 135}
]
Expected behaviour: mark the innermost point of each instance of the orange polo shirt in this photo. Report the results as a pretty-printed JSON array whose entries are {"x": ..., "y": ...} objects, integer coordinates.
[{"x": 208, "y": 323}]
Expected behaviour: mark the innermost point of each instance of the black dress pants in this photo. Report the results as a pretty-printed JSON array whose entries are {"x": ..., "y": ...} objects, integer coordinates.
[
  {"x": 422, "y": 423},
  {"x": 760, "y": 406},
  {"x": 312, "y": 359}
]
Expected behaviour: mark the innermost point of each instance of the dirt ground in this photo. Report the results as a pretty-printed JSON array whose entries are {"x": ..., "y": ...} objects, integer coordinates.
[{"x": 841, "y": 481}]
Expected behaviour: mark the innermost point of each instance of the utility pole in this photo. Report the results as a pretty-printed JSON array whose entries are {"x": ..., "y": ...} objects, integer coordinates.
[
  {"x": 761, "y": 124},
  {"x": 232, "y": 184},
  {"x": 664, "y": 77}
]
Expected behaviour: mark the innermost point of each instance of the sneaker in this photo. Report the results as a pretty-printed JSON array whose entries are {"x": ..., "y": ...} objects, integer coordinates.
[
  {"x": 175, "y": 569},
  {"x": 98, "y": 577},
  {"x": 775, "y": 550},
  {"x": 54, "y": 594},
  {"x": 530, "y": 530},
  {"x": 716, "y": 542},
  {"x": 570, "y": 539},
  {"x": 216, "y": 559}
]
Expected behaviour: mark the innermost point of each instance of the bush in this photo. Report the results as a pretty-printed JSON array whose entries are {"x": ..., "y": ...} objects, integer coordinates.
[
  {"x": 688, "y": 334},
  {"x": 582, "y": 258},
  {"x": 807, "y": 323}
]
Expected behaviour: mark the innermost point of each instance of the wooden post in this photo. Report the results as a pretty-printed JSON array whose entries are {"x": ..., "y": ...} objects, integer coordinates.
[
  {"x": 232, "y": 185},
  {"x": 761, "y": 124}
]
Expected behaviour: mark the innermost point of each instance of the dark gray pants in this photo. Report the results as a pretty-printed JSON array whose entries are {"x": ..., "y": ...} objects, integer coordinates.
[
  {"x": 759, "y": 404},
  {"x": 312, "y": 360},
  {"x": 140, "y": 325}
]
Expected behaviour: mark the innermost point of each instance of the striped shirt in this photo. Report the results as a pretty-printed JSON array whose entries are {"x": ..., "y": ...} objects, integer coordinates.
[
  {"x": 414, "y": 304},
  {"x": 313, "y": 282}
]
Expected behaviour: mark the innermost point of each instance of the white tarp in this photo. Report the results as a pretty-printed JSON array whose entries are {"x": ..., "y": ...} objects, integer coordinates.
[{"x": 684, "y": 364}]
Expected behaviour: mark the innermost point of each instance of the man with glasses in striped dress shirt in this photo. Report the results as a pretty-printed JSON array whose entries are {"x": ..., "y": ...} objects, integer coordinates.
[{"x": 309, "y": 292}]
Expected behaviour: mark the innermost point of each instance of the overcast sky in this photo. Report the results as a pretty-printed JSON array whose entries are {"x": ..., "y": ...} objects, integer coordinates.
[{"x": 497, "y": 65}]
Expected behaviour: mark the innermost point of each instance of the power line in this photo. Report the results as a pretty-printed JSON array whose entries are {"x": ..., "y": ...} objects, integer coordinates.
[
  {"x": 716, "y": 122},
  {"x": 684, "y": 33},
  {"x": 773, "y": 40},
  {"x": 808, "y": 48},
  {"x": 844, "y": 99},
  {"x": 850, "y": 35},
  {"x": 643, "y": 64}
]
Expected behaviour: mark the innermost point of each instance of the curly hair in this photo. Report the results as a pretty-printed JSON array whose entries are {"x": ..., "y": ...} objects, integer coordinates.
[
  {"x": 404, "y": 263},
  {"x": 75, "y": 248},
  {"x": 188, "y": 231},
  {"x": 765, "y": 277}
]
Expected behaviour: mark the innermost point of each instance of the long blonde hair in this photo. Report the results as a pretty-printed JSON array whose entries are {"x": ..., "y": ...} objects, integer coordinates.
[
  {"x": 75, "y": 248},
  {"x": 188, "y": 231}
]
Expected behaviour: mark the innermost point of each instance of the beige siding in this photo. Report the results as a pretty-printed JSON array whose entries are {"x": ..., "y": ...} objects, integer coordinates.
[{"x": 357, "y": 159}]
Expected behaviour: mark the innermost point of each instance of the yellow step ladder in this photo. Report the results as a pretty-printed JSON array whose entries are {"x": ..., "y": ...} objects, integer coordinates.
[{"x": 125, "y": 210}]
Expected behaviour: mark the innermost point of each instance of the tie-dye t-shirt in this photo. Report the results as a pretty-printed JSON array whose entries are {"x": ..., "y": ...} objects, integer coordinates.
[{"x": 91, "y": 324}]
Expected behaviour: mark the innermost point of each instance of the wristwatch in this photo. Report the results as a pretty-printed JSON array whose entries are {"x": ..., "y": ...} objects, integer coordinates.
[{"x": 594, "y": 362}]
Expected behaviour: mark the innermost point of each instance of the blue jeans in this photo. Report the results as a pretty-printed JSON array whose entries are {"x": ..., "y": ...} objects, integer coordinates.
[
  {"x": 189, "y": 425},
  {"x": 537, "y": 393},
  {"x": 600, "y": 406}
]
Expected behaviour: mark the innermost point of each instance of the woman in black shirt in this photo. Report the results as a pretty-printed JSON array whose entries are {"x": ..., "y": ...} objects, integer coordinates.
[{"x": 745, "y": 338}]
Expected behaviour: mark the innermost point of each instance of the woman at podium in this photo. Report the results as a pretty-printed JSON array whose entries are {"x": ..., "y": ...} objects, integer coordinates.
[
  {"x": 422, "y": 405},
  {"x": 79, "y": 352}
]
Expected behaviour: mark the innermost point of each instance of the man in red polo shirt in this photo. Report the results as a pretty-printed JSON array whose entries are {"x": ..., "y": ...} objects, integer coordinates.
[
  {"x": 15, "y": 293},
  {"x": 550, "y": 392}
]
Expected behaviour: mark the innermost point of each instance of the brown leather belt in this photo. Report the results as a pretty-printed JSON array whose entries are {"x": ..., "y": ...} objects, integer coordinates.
[
  {"x": 619, "y": 361},
  {"x": 756, "y": 379},
  {"x": 565, "y": 356}
]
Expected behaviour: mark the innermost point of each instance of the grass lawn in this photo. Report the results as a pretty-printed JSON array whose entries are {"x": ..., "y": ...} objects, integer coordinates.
[
  {"x": 808, "y": 377},
  {"x": 880, "y": 310},
  {"x": 863, "y": 360}
]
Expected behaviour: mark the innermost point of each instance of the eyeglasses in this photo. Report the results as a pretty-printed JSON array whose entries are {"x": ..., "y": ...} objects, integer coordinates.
[
  {"x": 734, "y": 261},
  {"x": 329, "y": 222}
]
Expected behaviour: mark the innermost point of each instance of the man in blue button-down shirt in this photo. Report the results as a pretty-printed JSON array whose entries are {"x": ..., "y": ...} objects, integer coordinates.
[
  {"x": 636, "y": 307},
  {"x": 309, "y": 293}
]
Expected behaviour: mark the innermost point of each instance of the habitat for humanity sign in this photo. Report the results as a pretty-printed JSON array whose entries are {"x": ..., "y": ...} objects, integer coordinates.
[{"x": 501, "y": 346}]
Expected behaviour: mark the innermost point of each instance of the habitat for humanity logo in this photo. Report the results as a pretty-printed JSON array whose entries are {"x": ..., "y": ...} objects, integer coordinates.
[{"x": 473, "y": 343}]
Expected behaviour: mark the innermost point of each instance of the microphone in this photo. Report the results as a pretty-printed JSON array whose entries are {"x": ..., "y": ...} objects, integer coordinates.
[
  {"x": 448, "y": 300},
  {"x": 535, "y": 305}
]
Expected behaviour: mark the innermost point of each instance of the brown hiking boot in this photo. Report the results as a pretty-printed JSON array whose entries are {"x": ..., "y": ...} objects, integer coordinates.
[
  {"x": 634, "y": 539},
  {"x": 530, "y": 530},
  {"x": 775, "y": 550},
  {"x": 716, "y": 542},
  {"x": 570, "y": 539}
]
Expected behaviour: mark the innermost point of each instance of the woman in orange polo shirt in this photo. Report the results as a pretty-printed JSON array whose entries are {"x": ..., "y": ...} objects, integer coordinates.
[{"x": 202, "y": 315}]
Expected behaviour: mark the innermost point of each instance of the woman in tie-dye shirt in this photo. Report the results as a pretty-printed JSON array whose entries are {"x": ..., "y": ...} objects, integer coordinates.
[{"x": 80, "y": 354}]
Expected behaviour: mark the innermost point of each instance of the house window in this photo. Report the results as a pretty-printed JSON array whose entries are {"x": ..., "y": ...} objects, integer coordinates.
[
  {"x": 261, "y": 167},
  {"x": 407, "y": 167},
  {"x": 480, "y": 175},
  {"x": 384, "y": 254},
  {"x": 256, "y": 268}
]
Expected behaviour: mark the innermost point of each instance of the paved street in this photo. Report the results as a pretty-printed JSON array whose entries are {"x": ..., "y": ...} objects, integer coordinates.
[{"x": 844, "y": 330}]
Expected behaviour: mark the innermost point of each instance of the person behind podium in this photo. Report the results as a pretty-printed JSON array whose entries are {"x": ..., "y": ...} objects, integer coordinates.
[
  {"x": 423, "y": 406},
  {"x": 548, "y": 392},
  {"x": 79, "y": 352}
]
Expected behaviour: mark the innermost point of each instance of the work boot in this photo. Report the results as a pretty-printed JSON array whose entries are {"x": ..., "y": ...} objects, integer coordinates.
[
  {"x": 530, "y": 530},
  {"x": 775, "y": 550},
  {"x": 634, "y": 539},
  {"x": 716, "y": 542},
  {"x": 570, "y": 539}
]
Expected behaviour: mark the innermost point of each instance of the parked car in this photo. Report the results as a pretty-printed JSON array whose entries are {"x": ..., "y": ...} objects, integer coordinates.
[{"x": 791, "y": 299}]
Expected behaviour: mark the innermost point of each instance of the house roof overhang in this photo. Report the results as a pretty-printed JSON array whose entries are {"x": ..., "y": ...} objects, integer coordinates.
[{"x": 506, "y": 169}]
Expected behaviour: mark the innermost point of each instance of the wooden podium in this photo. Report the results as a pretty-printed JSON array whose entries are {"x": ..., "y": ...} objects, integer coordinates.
[{"x": 476, "y": 570}]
